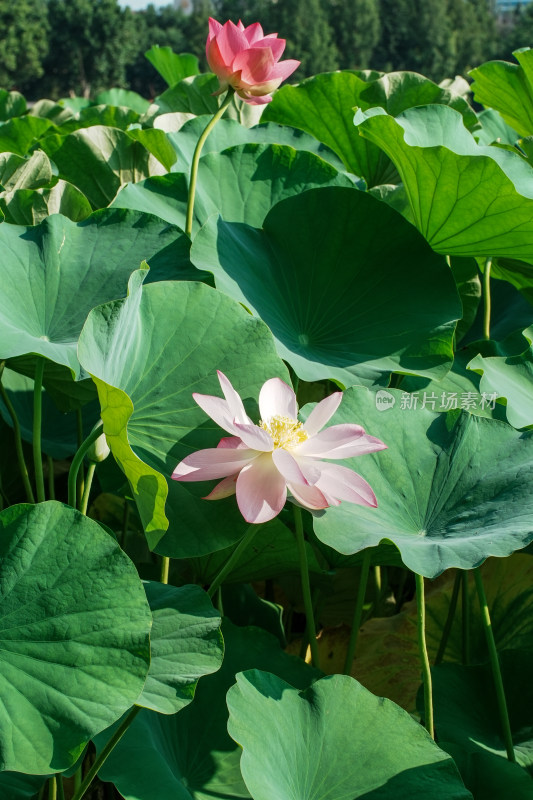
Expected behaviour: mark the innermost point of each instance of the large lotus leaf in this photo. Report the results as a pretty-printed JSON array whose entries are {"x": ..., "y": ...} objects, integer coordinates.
[
  {"x": 172, "y": 67},
  {"x": 148, "y": 354},
  {"x": 196, "y": 95},
  {"x": 75, "y": 635},
  {"x": 466, "y": 274},
  {"x": 368, "y": 298},
  {"x": 272, "y": 553},
  {"x": 157, "y": 143},
  {"x": 397, "y": 91},
  {"x": 124, "y": 98},
  {"x": 66, "y": 269},
  {"x": 460, "y": 388},
  {"x": 466, "y": 708},
  {"x": 12, "y": 104},
  {"x": 16, "y": 786},
  {"x": 190, "y": 756},
  {"x": 452, "y": 489},
  {"x": 242, "y": 184},
  {"x": 20, "y": 134},
  {"x": 112, "y": 116},
  {"x": 229, "y": 133},
  {"x": 489, "y": 776},
  {"x": 323, "y": 106},
  {"x": 494, "y": 129},
  {"x": 510, "y": 312},
  {"x": 29, "y": 207},
  {"x": 341, "y": 743},
  {"x": 467, "y": 199},
  {"x": 99, "y": 160},
  {"x": 193, "y": 94},
  {"x": 518, "y": 273},
  {"x": 17, "y": 172},
  {"x": 508, "y": 88},
  {"x": 57, "y": 113},
  {"x": 510, "y": 377},
  {"x": 59, "y": 430},
  {"x": 185, "y": 644}
]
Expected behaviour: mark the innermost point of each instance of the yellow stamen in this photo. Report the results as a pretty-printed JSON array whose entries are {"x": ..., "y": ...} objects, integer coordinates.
[{"x": 285, "y": 432}]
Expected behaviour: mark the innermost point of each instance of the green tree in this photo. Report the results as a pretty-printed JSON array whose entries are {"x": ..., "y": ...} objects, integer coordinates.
[
  {"x": 356, "y": 28},
  {"x": 474, "y": 33},
  {"x": 23, "y": 44},
  {"x": 91, "y": 41},
  {"x": 163, "y": 26},
  {"x": 305, "y": 25},
  {"x": 415, "y": 35}
]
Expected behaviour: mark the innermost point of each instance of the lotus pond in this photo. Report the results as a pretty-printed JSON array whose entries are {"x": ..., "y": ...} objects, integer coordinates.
[{"x": 266, "y": 405}]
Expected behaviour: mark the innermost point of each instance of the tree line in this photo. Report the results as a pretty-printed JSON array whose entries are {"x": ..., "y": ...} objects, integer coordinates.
[{"x": 53, "y": 48}]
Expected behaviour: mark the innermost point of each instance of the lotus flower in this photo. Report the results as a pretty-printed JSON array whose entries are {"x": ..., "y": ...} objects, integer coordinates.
[
  {"x": 261, "y": 462},
  {"x": 247, "y": 60}
]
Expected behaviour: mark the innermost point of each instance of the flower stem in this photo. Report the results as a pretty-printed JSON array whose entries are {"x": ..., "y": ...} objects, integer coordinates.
[
  {"x": 486, "y": 298},
  {"x": 80, "y": 480},
  {"x": 37, "y": 417},
  {"x": 77, "y": 461},
  {"x": 306, "y": 586},
  {"x": 165, "y": 569},
  {"x": 60, "y": 787},
  {"x": 18, "y": 439},
  {"x": 358, "y": 611},
  {"x": 232, "y": 560},
  {"x": 196, "y": 158},
  {"x": 117, "y": 736},
  {"x": 87, "y": 487},
  {"x": 465, "y": 607},
  {"x": 426, "y": 669},
  {"x": 449, "y": 619},
  {"x": 51, "y": 478},
  {"x": 495, "y": 666},
  {"x": 52, "y": 788}
]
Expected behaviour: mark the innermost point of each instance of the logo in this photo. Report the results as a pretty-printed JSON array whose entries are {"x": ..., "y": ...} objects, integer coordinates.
[{"x": 384, "y": 400}]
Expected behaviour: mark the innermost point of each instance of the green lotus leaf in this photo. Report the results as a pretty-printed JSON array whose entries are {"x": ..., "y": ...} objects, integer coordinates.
[
  {"x": 241, "y": 183},
  {"x": 487, "y": 775},
  {"x": 185, "y": 644},
  {"x": 148, "y": 354},
  {"x": 190, "y": 756},
  {"x": 494, "y": 129},
  {"x": 111, "y": 116},
  {"x": 229, "y": 133},
  {"x": 17, "y": 172},
  {"x": 467, "y": 199},
  {"x": 323, "y": 107},
  {"x": 510, "y": 377},
  {"x": 75, "y": 635},
  {"x": 16, "y": 786},
  {"x": 518, "y": 273},
  {"x": 368, "y": 298},
  {"x": 20, "y": 134},
  {"x": 341, "y": 743},
  {"x": 12, "y": 104},
  {"x": 29, "y": 207},
  {"x": 508, "y": 88},
  {"x": 193, "y": 94},
  {"x": 68, "y": 268},
  {"x": 452, "y": 489},
  {"x": 124, "y": 98},
  {"x": 99, "y": 160},
  {"x": 172, "y": 67},
  {"x": 272, "y": 553},
  {"x": 397, "y": 91},
  {"x": 466, "y": 708}
]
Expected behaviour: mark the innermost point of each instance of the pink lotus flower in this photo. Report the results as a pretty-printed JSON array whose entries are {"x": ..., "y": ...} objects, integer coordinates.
[
  {"x": 261, "y": 462},
  {"x": 247, "y": 60}
]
